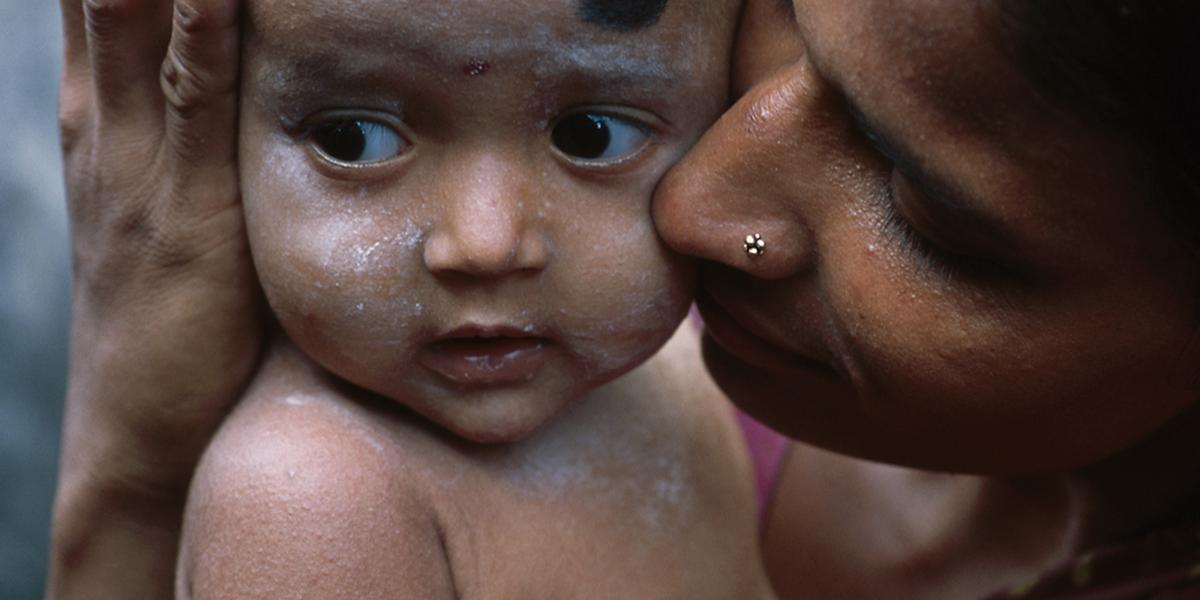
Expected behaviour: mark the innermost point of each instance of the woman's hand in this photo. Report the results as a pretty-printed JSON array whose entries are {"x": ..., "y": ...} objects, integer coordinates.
[{"x": 167, "y": 317}]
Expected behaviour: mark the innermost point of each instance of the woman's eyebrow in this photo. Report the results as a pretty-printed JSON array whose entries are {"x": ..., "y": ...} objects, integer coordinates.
[{"x": 622, "y": 15}]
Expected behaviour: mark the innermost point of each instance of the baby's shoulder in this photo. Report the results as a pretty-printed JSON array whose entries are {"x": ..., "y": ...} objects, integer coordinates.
[{"x": 300, "y": 492}]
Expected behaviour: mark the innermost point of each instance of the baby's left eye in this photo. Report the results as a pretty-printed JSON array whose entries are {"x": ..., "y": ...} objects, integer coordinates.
[
  {"x": 598, "y": 137},
  {"x": 358, "y": 141}
]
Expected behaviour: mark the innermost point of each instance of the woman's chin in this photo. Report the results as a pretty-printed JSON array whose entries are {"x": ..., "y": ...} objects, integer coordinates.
[{"x": 800, "y": 401}]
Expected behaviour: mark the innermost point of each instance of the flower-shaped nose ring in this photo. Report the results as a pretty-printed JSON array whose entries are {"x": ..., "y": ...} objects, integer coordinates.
[{"x": 755, "y": 245}]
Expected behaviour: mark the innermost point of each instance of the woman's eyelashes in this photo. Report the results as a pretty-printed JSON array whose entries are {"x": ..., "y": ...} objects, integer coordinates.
[
  {"x": 900, "y": 188},
  {"x": 598, "y": 139},
  {"x": 928, "y": 255},
  {"x": 928, "y": 252},
  {"x": 356, "y": 141}
]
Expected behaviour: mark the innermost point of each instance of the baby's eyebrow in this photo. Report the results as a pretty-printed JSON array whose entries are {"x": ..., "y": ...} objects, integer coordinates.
[
  {"x": 303, "y": 70},
  {"x": 622, "y": 15}
]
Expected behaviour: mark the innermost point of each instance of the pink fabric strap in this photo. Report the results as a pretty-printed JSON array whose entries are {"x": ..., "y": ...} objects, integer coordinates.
[{"x": 766, "y": 451}]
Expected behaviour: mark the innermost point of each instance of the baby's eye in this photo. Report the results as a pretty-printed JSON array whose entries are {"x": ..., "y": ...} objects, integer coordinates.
[
  {"x": 597, "y": 137},
  {"x": 358, "y": 141}
]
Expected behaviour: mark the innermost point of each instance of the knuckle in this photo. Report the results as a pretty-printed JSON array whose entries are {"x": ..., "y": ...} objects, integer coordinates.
[
  {"x": 188, "y": 20},
  {"x": 72, "y": 125},
  {"x": 205, "y": 20},
  {"x": 102, "y": 15},
  {"x": 183, "y": 87},
  {"x": 199, "y": 38},
  {"x": 74, "y": 113},
  {"x": 100, "y": 12}
]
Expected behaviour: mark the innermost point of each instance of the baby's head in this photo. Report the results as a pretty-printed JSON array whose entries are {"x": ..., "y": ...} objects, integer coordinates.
[{"x": 448, "y": 201}]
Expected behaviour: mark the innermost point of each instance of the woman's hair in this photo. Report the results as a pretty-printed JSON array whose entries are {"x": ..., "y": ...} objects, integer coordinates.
[{"x": 1129, "y": 65}]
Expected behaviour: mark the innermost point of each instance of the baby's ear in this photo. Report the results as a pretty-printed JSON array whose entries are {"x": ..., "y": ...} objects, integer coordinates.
[{"x": 290, "y": 501}]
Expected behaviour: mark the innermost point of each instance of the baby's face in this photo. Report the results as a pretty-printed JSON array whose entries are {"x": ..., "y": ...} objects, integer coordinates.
[{"x": 448, "y": 201}]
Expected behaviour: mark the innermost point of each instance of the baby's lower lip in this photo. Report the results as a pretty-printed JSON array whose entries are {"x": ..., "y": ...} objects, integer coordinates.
[{"x": 485, "y": 361}]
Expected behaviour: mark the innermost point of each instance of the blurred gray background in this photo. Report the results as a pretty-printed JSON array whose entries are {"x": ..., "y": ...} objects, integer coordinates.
[{"x": 33, "y": 290}]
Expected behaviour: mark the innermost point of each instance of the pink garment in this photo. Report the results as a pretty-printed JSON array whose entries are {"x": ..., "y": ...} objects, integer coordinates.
[{"x": 766, "y": 451}]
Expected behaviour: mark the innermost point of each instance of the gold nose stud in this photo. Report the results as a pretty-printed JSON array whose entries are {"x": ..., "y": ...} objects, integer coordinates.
[{"x": 755, "y": 245}]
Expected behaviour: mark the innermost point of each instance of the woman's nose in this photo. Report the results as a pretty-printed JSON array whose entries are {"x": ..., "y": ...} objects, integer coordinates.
[
  {"x": 740, "y": 196},
  {"x": 488, "y": 227}
]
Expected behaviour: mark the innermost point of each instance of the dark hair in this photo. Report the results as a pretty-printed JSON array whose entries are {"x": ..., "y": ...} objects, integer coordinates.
[{"x": 1132, "y": 65}]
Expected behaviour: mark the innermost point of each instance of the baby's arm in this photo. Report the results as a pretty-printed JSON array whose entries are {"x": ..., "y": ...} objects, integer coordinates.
[{"x": 297, "y": 500}]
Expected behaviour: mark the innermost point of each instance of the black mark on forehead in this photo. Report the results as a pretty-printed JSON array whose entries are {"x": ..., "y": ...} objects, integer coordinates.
[{"x": 622, "y": 15}]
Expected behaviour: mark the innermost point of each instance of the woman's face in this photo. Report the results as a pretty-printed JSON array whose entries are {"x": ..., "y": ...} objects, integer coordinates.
[{"x": 958, "y": 273}]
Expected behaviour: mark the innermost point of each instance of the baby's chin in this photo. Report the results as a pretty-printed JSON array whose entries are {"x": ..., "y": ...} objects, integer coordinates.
[
  {"x": 512, "y": 414},
  {"x": 483, "y": 411},
  {"x": 489, "y": 386},
  {"x": 497, "y": 415}
]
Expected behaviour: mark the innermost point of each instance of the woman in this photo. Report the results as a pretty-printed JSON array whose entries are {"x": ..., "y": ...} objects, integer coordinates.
[
  {"x": 945, "y": 235},
  {"x": 977, "y": 234}
]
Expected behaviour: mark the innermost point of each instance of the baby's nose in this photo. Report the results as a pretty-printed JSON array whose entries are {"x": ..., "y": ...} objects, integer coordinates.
[{"x": 487, "y": 229}]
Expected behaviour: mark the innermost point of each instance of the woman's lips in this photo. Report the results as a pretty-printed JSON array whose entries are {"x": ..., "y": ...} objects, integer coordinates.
[
  {"x": 490, "y": 360},
  {"x": 750, "y": 348}
]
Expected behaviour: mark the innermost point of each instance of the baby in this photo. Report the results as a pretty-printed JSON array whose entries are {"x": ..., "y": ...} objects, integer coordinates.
[{"x": 475, "y": 390}]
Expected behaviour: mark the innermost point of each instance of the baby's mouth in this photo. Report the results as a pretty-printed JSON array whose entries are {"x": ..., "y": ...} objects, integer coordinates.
[{"x": 485, "y": 357}]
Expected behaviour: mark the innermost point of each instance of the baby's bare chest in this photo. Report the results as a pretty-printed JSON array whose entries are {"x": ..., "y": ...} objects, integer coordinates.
[
  {"x": 589, "y": 508},
  {"x": 585, "y": 525}
]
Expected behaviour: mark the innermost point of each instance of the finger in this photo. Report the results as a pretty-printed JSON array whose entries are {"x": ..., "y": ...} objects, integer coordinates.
[
  {"x": 75, "y": 87},
  {"x": 199, "y": 81},
  {"x": 74, "y": 36},
  {"x": 126, "y": 40}
]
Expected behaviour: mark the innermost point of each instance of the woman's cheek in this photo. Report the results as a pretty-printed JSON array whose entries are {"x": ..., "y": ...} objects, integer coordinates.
[{"x": 914, "y": 344}]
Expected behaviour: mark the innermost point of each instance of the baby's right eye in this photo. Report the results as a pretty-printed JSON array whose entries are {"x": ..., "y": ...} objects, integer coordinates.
[{"x": 356, "y": 141}]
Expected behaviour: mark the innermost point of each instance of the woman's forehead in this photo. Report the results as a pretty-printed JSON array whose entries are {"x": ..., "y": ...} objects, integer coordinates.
[{"x": 928, "y": 63}]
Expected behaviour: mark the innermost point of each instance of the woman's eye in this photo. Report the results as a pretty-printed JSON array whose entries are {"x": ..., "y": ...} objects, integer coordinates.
[
  {"x": 358, "y": 141},
  {"x": 597, "y": 137}
]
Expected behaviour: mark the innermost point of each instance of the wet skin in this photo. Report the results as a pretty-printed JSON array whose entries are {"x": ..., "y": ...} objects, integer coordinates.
[
  {"x": 959, "y": 273},
  {"x": 449, "y": 210},
  {"x": 471, "y": 253}
]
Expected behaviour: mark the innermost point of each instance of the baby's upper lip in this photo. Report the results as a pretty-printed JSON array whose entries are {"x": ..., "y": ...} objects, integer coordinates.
[{"x": 487, "y": 331}]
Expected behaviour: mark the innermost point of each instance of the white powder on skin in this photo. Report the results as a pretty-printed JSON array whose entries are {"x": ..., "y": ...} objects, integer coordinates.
[
  {"x": 340, "y": 411},
  {"x": 642, "y": 468}
]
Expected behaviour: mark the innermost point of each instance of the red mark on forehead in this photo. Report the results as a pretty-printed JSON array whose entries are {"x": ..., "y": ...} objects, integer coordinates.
[{"x": 476, "y": 68}]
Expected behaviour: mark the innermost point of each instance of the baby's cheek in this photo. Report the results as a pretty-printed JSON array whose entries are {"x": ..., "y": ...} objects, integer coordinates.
[
  {"x": 629, "y": 296},
  {"x": 347, "y": 284}
]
